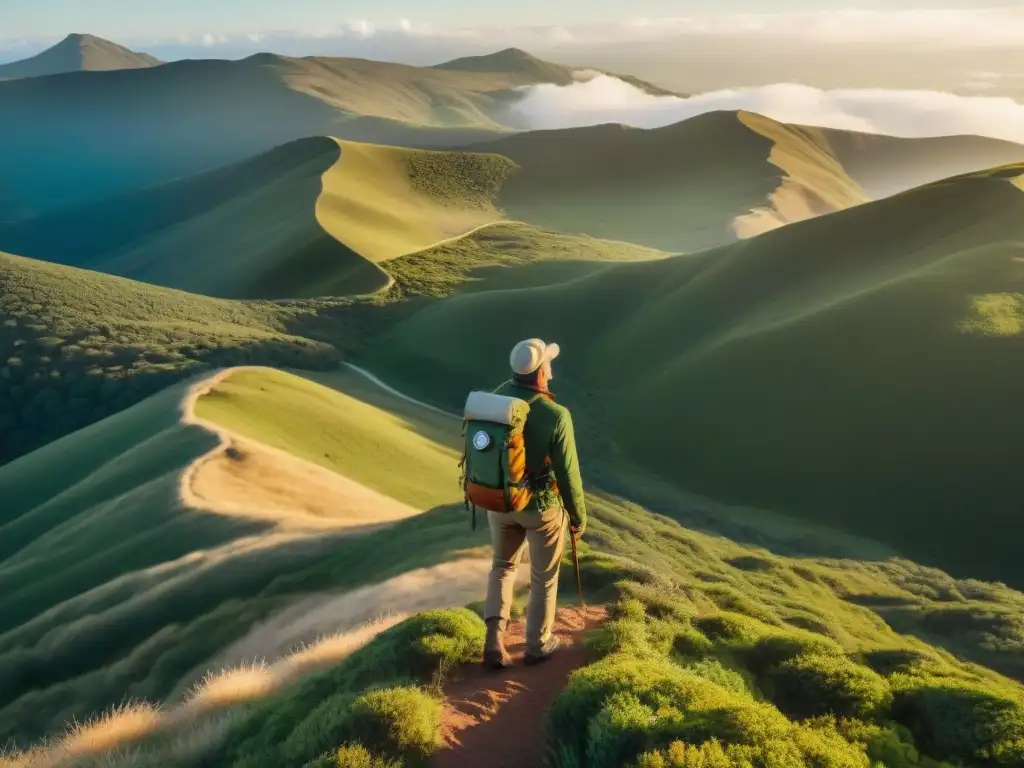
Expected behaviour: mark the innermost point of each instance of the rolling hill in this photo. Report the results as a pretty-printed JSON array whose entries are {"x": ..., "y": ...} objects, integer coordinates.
[
  {"x": 311, "y": 218},
  {"x": 688, "y": 186},
  {"x": 331, "y": 212},
  {"x": 163, "y": 589},
  {"x": 718, "y": 176},
  {"x": 885, "y": 165},
  {"x": 182, "y": 500},
  {"x": 857, "y": 369},
  {"x": 78, "y": 53},
  {"x": 87, "y": 135},
  {"x": 78, "y": 345}
]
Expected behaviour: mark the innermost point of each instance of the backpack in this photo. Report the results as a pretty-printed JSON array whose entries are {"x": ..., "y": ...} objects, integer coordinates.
[{"x": 493, "y": 462}]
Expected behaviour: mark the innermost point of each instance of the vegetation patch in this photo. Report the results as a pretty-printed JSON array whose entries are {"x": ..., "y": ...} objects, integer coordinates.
[{"x": 376, "y": 706}]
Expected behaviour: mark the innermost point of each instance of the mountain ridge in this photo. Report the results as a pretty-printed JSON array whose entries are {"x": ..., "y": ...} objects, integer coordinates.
[{"x": 78, "y": 52}]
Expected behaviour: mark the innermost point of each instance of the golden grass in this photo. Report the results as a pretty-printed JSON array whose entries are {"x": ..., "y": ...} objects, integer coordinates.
[
  {"x": 323, "y": 616},
  {"x": 202, "y": 719},
  {"x": 245, "y": 478},
  {"x": 813, "y": 182},
  {"x": 121, "y": 725}
]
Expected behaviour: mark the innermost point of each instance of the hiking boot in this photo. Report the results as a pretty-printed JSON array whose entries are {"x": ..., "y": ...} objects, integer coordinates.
[
  {"x": 495, "y": 655},
  {"x": 538, "y": 657}
]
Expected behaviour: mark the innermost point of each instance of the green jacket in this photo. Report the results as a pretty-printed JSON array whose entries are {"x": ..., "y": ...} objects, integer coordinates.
[{"x": 549, "y": 432}]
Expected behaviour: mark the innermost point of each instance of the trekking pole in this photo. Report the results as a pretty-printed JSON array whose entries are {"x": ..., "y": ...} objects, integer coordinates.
[{"x": 576, "y": 563}]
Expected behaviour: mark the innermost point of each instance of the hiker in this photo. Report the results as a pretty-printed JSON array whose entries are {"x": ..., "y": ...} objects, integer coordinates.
[{"x": 553, "y": 472}]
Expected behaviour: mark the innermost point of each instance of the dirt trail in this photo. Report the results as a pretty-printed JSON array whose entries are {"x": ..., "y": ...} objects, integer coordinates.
[
  {"x": 245, "y": 478},
  {"x": 496, "y": 719}
]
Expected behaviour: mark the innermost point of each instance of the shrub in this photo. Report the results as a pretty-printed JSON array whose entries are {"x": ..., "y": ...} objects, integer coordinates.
[
  {"x": 653, "y": 682},
  {"x": 354, "y": 756},
  {"x": 715, "y": 672},
  {"x": 770, "y": 651},
  {"x": 397, "y": 722},
  {"x": 960, "y": 722},
  {"x": 813, "y": 684},
  {"x": 371, "y": 699}
]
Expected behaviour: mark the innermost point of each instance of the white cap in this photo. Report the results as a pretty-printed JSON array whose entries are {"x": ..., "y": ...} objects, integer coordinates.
[{"x": 527, "y": 356}]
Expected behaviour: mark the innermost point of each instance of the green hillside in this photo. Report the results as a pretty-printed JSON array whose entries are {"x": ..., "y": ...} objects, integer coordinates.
[
  {"x": 792, "y": 656},
  {"x": 857, "y": 369},
  {"x": 310, "y": 218},
  {"x": 884, "y": 165},
  {"x": 687, "y": 186},
  {"x": 354, "y": 439},
  {"x": 115, "y": 581},
  {"x": 329, "y": 212},
  {"x": 78, "y": 345},
  {"x": 713, "y": 178}
]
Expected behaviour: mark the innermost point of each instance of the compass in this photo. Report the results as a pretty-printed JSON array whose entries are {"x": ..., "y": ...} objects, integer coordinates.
[{"x": 481, "y": 440}]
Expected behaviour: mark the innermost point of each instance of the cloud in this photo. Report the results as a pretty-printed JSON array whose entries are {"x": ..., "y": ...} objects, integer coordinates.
[
  {"x": 362, "y": 27},
  {"x": 958, "y": 27},
  {"x": 600, "y": 99}
]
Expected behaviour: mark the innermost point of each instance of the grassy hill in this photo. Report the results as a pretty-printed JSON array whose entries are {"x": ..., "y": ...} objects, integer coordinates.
[
  {"x": 78, "y": 53},
  {"x": 697, "y": 184},
  {"x": 857, "y": 369},
  {"x": 715, "y": 177},
  {"x": 88, "y": 135},
  {"x": 885, "y": 165},
  {"x": 120, "y": 540},
  {"x": 77, "y": 346},
  {"x": 764, "y": 641},
  {"x": 687, "y": 186},
  {"x": 311, "y": 218}
]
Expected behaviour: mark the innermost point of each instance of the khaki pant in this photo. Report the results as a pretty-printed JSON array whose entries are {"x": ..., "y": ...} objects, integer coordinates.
[{"x": 545, "y": 531}]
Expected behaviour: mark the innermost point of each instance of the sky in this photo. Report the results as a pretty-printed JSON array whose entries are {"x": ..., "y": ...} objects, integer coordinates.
[{"x": 131, "y": 19}]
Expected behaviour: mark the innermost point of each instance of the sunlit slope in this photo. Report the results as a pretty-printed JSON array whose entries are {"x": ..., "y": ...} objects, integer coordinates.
[
  {"x": 504, "y": 255},
  {"x": 123, "y": 542},
  {"x": 682, "y": 187},
  {"x": 310, "y": 218},
  {"x": 88, "y": 135},
  {"x": 351, "y": 436},
  {"x": 859, "y": 369}
]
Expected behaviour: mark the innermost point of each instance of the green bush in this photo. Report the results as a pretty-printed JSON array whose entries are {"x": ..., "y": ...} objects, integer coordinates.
[
  {"x": 891, "y": 745},
  {"x": 814, "y": 684},
  {"x": 355, "y": 756},
  {"x": 397, "y": 722},
  {"x": 714, "y": 671},
  {"x": 961, "y": 722},
  {"x": 769, "y": 651},
  {"x": 653, "y": 682},
  {"x": 372, "y": 699}
]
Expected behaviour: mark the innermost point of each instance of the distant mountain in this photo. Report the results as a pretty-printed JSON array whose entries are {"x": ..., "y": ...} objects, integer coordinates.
[
  {"x": 86, "y": 135},
  {"x": 512, "y": 60},
  {"x": 528, "y": 65},
  {"x": 78, "y": 53}
]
